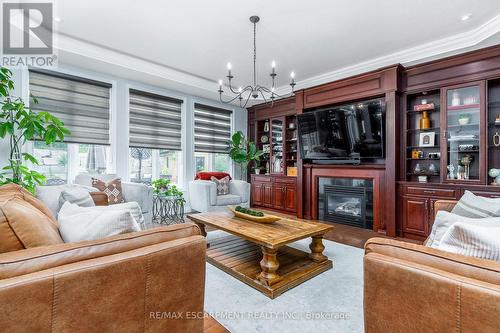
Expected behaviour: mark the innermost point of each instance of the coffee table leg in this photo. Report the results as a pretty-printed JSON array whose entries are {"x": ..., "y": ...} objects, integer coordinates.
[
  {"x": 269, "y": 265},
  {"x": 203, "y": 231},
  {"x": 317, "y": 248}
]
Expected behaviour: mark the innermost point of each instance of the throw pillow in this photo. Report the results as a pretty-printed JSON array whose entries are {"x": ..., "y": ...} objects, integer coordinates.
[
  {"x": 87, "y": 223},
  {"x": 24, "y": 221},
  {"x": 444, "y": 220},
  {"x": 473, "y": 240},
  {"x": 76, "y": 195},
  {"x": 207, "y": 175},
  {"x": 112, "y": 188},
  {"x": 132, "y": 207},
  {"x": 222, "y": 185},
  {"x": 49, "y": 195},
  {"x": 473, "y": 206}
]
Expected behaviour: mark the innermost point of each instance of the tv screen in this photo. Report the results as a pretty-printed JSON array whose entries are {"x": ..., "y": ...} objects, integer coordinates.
[{"x": 345, "y": 132}]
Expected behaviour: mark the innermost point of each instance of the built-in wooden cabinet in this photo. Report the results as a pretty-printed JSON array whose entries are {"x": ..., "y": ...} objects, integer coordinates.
[
  {"x": 416, "y": 202},
  {"x": 275, "y": 192}
]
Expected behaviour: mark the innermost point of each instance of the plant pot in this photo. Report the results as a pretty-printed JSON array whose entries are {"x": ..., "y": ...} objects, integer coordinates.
[{"x": 463, "y": 121}]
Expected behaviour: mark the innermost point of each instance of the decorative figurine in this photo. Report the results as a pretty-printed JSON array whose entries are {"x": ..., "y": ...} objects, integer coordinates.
[
  {"x": 460, "y": 172},
  {"x": 451, "y": 171},
  {"x": 466, "y": 160},
  {"x": 455, "y": 99},
  {"x": 425, "y": 121},
  {"x": 495, "y": 173},
  {"x": 432, "y": 168},
  {"x": 417, "y": 169},
  {"x": 266, "y": 126}
]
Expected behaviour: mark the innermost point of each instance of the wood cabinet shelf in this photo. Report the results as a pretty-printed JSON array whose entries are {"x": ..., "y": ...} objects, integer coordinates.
[{"x": 463, "y": 107}]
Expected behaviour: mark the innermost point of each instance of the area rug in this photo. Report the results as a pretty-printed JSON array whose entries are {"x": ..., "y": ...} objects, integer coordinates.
[{"x": 329, "y": 302}]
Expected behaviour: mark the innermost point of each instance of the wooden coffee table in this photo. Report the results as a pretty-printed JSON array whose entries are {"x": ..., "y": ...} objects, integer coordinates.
[{"x": 257, "y": 254}]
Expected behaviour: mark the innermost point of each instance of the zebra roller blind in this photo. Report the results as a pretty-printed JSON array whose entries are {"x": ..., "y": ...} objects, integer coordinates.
[
  {"x": 155, "y": 121},
  {"x": 212, "y": 129},
  {"x": 82, "y": 104}
]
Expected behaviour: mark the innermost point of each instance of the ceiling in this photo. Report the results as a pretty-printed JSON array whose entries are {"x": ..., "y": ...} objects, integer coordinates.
[{"x": 185, "y": 45}]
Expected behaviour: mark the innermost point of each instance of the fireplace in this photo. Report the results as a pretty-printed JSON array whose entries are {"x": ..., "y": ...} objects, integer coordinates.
[{"x": 346, "y": 201}]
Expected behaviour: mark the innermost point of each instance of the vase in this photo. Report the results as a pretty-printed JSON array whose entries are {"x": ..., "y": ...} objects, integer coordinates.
[
  {"x": 257, "y": 171},
  {"x": 425, "y": 121}
]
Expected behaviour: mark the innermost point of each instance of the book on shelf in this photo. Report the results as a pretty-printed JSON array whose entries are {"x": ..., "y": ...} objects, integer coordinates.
[{"x": 423, "y": 107}]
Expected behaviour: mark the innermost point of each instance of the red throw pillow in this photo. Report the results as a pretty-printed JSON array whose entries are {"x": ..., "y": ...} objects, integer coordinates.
[{"x": 205, "y": 175}]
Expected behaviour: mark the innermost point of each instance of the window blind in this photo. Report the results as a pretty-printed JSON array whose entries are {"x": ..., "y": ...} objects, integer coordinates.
[
  {"x": 81, "y": 104},
  {"x": 212, "y": 129},
  {"x": 155, "y": 121}
]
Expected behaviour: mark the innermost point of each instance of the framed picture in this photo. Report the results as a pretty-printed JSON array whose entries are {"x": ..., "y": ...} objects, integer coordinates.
[{"x": 427, "y": 139}]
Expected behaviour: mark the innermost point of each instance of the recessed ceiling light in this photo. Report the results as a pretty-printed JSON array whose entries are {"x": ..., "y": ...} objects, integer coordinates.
[
  {"x": 465, "y": 17},
  {"x": 57, "y": 19}
]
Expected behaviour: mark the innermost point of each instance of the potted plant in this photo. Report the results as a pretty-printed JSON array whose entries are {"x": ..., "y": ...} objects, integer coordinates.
[
  {"x": 463, "y": 118},
  {"x": 243, "y": 152},
  {"x": 164, "y": 187},
  {"x": 20, "y": 124}
]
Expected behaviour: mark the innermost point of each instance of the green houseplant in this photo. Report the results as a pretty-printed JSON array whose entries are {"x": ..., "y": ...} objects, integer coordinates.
[
  {"x": 165, "y": 187},
  {"x": 18, "y": 124},
  {"x": 243, "y": 152}
]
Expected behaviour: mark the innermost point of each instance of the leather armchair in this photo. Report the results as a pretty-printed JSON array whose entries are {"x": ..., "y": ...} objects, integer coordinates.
[
  {"x": 149, "y": 281},
  {"x": 413, "y": 288}
]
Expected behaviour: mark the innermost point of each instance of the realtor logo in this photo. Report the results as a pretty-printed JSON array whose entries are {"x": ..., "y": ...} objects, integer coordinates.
[{"x": 27, "y": 34}]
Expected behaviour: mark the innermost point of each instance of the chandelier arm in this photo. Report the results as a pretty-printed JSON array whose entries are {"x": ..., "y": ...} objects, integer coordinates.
[
  {"x": 246, "y": 102},
  {"x": 229, "y": 100}
]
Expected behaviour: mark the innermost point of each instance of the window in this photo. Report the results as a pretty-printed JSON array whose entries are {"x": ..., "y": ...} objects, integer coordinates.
[
  {"x": 62, "y": 161},
  {"x": 83, "y": 106},
  {"x": 212, "y": 162},
  {"x": 212, "y": 131},
  {"x": 155, "y": 137},
  {"x": 148, "y": 164}
]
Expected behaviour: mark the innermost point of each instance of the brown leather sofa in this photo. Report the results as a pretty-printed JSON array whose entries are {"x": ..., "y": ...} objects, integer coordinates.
[
  {"x": 148, "y": 281},
  {"x": 413, "y": 288}
]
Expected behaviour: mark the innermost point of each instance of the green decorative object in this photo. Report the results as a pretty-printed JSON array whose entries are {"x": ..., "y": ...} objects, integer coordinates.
[
  {"x": 164, "y": 187},
  {"x": 243, "y": 151},
  {"x": 18, "y": 123}
]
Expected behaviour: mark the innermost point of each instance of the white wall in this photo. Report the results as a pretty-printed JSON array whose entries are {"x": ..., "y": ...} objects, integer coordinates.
[{"x": 119, "y": 118}]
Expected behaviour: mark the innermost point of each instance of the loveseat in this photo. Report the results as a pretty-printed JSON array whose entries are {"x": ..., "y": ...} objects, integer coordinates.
[
  {"x": 132, "y": 282},
  {"x": 414, "y": 288}
]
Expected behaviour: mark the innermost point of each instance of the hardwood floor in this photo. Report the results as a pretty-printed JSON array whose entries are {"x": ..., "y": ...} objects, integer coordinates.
[{"x": 211, "y": 325}]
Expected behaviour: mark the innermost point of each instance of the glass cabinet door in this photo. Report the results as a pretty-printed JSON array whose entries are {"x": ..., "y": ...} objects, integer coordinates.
[
  {"x": 463, "y": 121},
  {"x": 277, "y": 145}
]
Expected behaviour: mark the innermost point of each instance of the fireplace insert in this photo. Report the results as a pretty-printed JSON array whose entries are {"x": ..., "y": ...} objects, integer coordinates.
[{"x": 346, "y": 201}]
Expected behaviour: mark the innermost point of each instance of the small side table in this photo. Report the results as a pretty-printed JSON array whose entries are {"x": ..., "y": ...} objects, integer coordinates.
[{"x": 168, "y": 209}]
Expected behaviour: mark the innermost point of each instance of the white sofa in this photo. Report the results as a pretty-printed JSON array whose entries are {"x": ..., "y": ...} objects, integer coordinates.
[
  {"x": 203, "y": 195},
  {"x": 140, "y": 193}
]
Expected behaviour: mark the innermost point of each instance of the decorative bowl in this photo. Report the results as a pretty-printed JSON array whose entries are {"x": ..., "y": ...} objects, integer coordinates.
[{"x": 267, "y": 218}]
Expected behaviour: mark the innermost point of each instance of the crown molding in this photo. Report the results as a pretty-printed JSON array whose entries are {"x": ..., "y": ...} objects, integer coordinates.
[{"x": 414, "y": 55}]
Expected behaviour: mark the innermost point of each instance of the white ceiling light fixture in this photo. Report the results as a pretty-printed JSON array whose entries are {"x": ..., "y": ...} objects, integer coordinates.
[{"x": 254, "y": 90}]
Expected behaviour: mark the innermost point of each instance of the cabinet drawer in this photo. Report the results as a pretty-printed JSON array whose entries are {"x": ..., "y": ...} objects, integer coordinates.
[
  {"x": 486, "y": 193},
  {"x": 261, "y": 179},
  {"x": 435, "y": 192}
]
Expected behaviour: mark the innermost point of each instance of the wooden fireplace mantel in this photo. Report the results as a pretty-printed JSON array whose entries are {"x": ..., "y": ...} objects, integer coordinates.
[{"x": 312, "y": 173}]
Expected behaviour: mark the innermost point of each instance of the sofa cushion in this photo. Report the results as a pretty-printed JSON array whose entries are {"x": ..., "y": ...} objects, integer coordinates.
[
  {"x": 92, "y": 223},
  {"x": 228, "y": 199},
  {"x": 113, "y": 188},
  {"x": 25, "y": 222},
  {"x": 205, "y": 175},
  {"x": 473, "y": 206}
]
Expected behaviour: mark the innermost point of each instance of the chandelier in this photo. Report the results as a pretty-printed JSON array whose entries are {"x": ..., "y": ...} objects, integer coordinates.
[{"x": 254, "y": 90}]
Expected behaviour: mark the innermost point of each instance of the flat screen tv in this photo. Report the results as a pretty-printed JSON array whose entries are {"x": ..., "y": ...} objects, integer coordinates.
[{"x": 347, "y": 133}]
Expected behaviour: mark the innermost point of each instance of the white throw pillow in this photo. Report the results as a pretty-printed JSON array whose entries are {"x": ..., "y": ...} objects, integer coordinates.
[
  {"x": 444, "y": 220},
  {"x": 88, "y": 223},
  {"x": 473, "y": 206},
  {"x": 76, "y": 195},
  {"x": 473, "y": 240}
]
